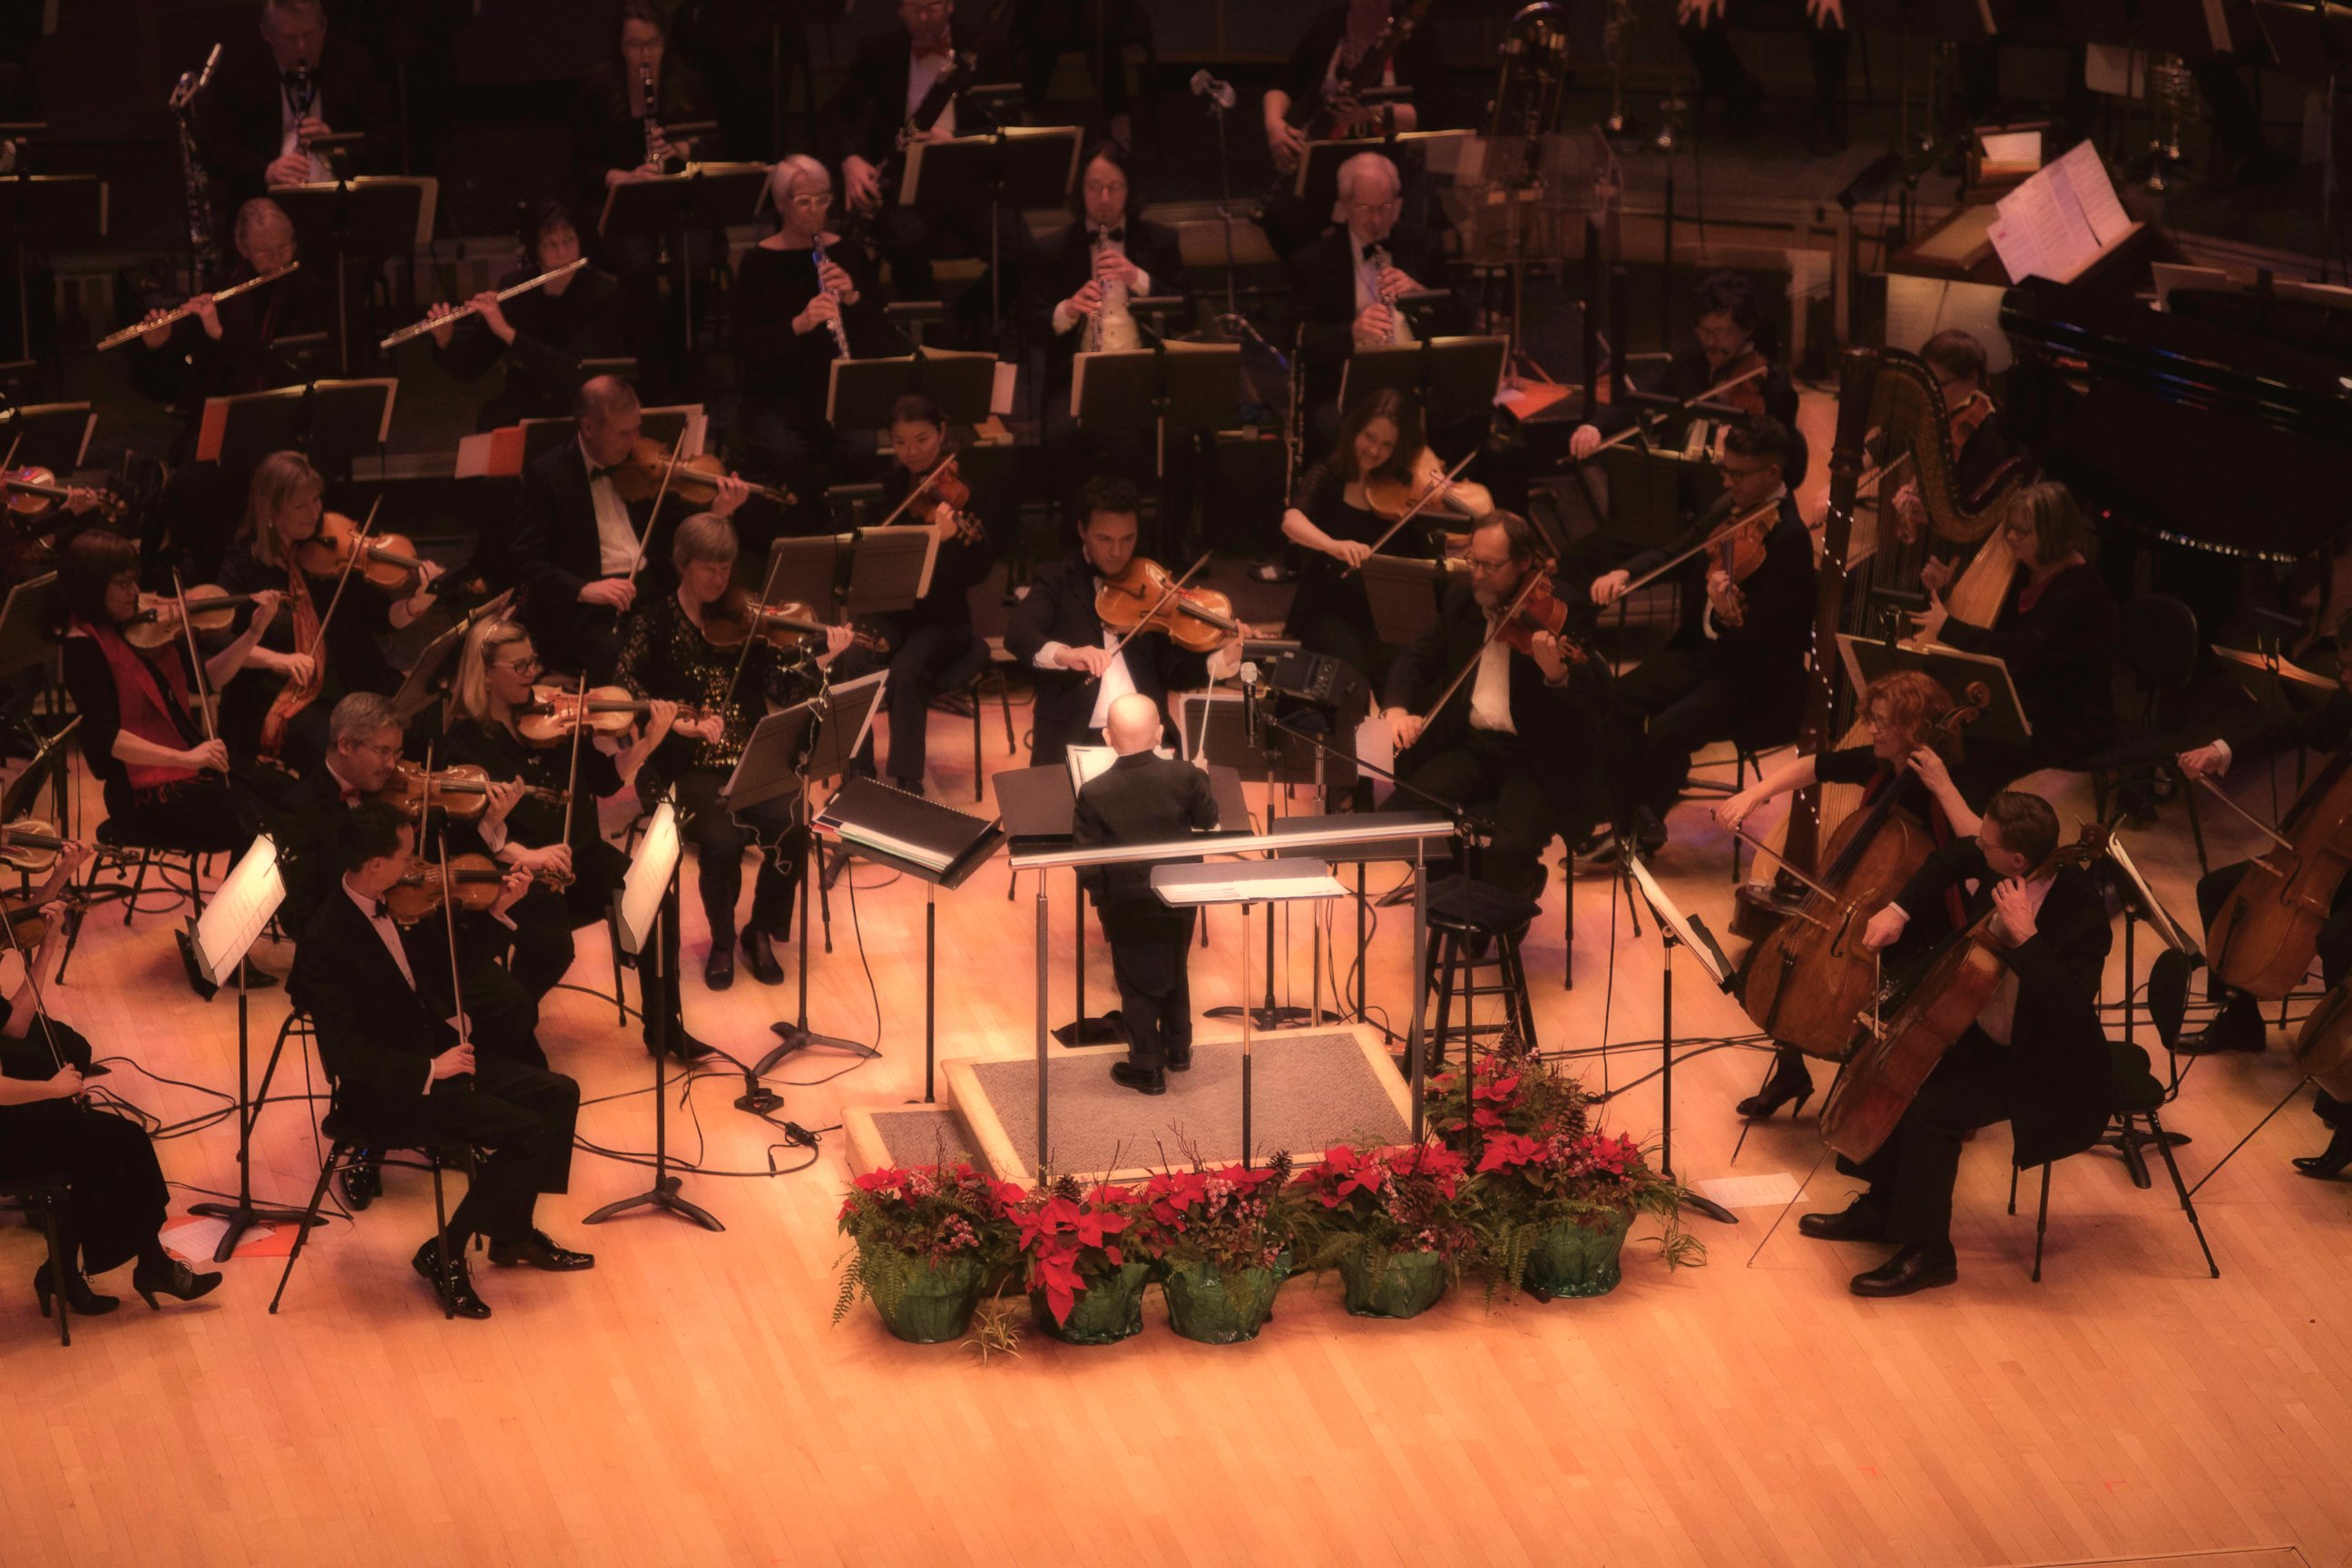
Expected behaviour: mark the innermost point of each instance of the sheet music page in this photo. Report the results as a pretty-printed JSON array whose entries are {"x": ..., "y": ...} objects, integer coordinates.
[
  {"x": 647, "y": 876},
  {"x": 2037, "y": 235},
  {"x": 2012, "y": 147},
  {"x": 233, "y": 921},
  {"x": 2086, "y": 178}
]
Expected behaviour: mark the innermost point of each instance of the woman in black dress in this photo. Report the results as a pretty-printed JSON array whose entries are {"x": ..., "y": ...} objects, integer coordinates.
[
  {"x": 541, "y": 336},
  {"x": 667, "y": 651}
]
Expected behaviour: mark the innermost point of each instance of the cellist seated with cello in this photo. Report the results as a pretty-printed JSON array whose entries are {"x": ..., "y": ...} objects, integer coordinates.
[
  {"x": 1901, "y": 710},
  {"x": 2238, "y": 1027},
  {"x": 2035, "y": 1057}
]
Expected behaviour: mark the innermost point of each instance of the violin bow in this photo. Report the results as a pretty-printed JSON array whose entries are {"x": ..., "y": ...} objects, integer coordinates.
[
  {"x": 1517, "y": 599},
  {"x": 449, "y": 929},
  {"x": 2256, "y": 822},
  {"x": 359, "y": 548},
  {"x": 1166, "y": 597},
  {"x": 1709, "y": 542},
  {"x": 945, "y": 467},
  {"x": 196, "y": 660},
  {"x": 572, "y": 783},
  {"x": 757, "y": 608},
  {"x": 644, "y": 534},
  {"x": 1437, "y": 488},
  {"x": 1742, "y": 379}
]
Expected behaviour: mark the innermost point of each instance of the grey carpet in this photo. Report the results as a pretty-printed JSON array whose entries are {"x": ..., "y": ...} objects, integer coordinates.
[
  {"x": 921, "y": 1135},
  {"x": 1308, "y": 1092}
]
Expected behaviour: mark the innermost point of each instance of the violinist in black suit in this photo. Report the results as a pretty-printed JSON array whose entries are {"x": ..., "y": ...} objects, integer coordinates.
[
  {"x": 539, "y": 337},
  {"x": 1513, "y": 737},
  {"x": 578, "y": 542},
  {"x": 2036, "y": 1057},
  {"x": 1081, "y": 667},
  {"x": 272, "y": 93},
  {"x": 400, "y": 1067},
  {"x": 1144, "y": 799},
  {"x": 1736, "y": 666},
  {"x": 1343, "y": 286},
  {"x": 888, "y": 81}
]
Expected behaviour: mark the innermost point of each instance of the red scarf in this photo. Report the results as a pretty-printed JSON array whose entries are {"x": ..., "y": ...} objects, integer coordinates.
[{"x": 152, "y": 698}]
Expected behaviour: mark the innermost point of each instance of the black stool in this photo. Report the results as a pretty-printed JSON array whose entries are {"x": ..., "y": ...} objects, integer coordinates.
[
  {"x": 43, "y": 1200},
  {"x": 121, "y": 850},
  {"x": 1473, "y": 926},
  {"x": 2138, "y": 1095},
  {"x": 352, "y": 1137}
]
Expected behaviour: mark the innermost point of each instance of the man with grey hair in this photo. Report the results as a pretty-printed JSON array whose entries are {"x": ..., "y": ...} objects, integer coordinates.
[
  {"x": 276, "y": 90},
  {"x": 232, "y": 347}
]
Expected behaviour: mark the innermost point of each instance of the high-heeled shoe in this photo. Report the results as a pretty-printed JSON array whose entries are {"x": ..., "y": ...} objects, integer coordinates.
[
  {"x": 2329, "y": 1164},
  {"x": 83, "y": 1301},
  {"x": 1783, "y": 1087},
  {"x": 180, "y": 1282}
]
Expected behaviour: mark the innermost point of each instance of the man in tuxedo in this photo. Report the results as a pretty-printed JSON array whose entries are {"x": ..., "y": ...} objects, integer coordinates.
[
  {"x": 576, "y": 547},
  {"x": 2035, "y": 1057},
  {"x": 1111, "y": 243},
  {"x": 410, "y": 1077},
  {"x": 1736, "y": 666},
  {"x": 272, "y": 93},
  {"x": 1081, "y": 667},
  {"x": 1343, "y": 286},
  {"x": 1512, "y": 738},
  {"x": 1144, "y": 799}
]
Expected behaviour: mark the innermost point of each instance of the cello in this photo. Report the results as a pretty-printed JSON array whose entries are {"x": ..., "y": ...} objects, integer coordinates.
[
  {"x": 1896, "y": 1051},
  {"x": 1812, "y": 976},
  {"x": 2266, "y": 933}
]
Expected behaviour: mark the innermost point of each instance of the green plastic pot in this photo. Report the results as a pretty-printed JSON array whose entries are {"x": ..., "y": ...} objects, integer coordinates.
[
  {"x": 1391, "y": 1284},
  {"x": 1576, "y": 1258},
  {"x": 1201, "y": 1307},
  {"x": 1106, "y": 1311},
  {"x": 933, "y": 1304}
]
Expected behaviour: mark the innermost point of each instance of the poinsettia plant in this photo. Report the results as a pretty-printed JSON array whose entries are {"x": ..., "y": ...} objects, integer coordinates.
[
  {"x": 1073, "y": 1237},
  {"x": 904, "y": 1219},
  {"x": 1385, "y": 1200},
  {"x": 1226, "y": 1218}
]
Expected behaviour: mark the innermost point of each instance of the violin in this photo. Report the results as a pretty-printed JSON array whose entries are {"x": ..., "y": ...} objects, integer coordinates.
[
  {"x": 28, "y": 922},
  {"x": 461, "y": 791},
  {"x": 788, "y": 624},
  {"x": 35, "y": 499},
  {"x": 159, "y": 618},
  {"x": 30, "y": 844},
  {"x": 423, "y": 888},
  {"x": 1145, "y": 598},
  {"x": 1893, "y": 1058},
  {"x": 555, "y": 711},
  {"x": 387, "y": 560},
  {"x": 1392, "y": 498},
  {"x": 946, "y": 486},
  {"x": 1810, "y": 977},
  {"x": 1737, "y": 550},
  {"x": 1968, "y": 416},
  {"x": 1740, "y": 383},
  {"x": 694, "y": 480},
  {"x": 1541, "y": 609}
]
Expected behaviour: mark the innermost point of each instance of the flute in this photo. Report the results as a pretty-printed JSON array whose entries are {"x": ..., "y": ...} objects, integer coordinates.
[
  {"x": 419, "y": 329},
  {"x": 116, "y": 340}
]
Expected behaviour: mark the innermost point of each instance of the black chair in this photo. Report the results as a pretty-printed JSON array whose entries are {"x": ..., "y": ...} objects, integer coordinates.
[
  {"x": 1473, "y": 926},
  {"x": 122, "y": 851},
  {"x": 2138, "y": 1096},
  {"x": 42, "y": 1200},
  {"x": 351, "y": 1135}
]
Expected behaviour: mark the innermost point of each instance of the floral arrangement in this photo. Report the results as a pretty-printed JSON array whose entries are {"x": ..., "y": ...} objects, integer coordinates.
[
  {"x": 1073, "y": 1238},
  {"x": 923, "y": 1218},
  {"x": 1227, "y": 1218},
  {"x": 1382, "y": 1201}
]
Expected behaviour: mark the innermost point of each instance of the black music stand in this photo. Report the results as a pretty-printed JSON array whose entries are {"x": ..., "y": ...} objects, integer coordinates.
[
  {"x": 807, "y": 743},
  {"x": 363, "y": 221},
  {"x": 1453, "y": 377},
  {"x": 862, "y": 392},
  {"x": 2003, "y": 723},
  {"x": 1676, "y": 930},
  {"x": 53, "y": 436},
  {"x": 331, "y": 422},
  {"x": 704, "y": 197},
  {"x": 24, "y": 615},
  {"x": 49, "y": 213},
  {"x": 1187, "y": 387},
  {"x": 1404, "y": 595},
  {"x": 936, "y": 845},
  {"x": 1019, "y": 167},
  {"x": 424, "y": 684}
]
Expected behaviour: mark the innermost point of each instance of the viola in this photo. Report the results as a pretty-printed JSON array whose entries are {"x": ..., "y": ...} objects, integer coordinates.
[
  {"x": 1429, "y": 490},
  {"x": 387, "y": 560},
  {"x": 160, "y": 617},
  {"x": 946, "y": 486},
  {"x": 1740, "y": 383},
  {"x": 555, "y": 711},
  {"x": 28, "y": 922},
  {"x": 1884, "y": 1071},
  {"x": 694, "y": 480},
  {"x": 461, "y": 791},
  {"x": 475, "y": 879},
  {"x": 1810, "y": 977},
  {"x": 1145, "y": 598},
  {"x": 36, "y": 502},
  {"x": 788, "y": 624},
  {"x": 30, "y": 844},
  {"x": 1736, "y": 552},
  {"x": 1541, "y": 609}
]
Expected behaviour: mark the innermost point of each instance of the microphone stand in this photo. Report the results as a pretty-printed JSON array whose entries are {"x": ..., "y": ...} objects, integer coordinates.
[{"x": 1220, "y": 95}]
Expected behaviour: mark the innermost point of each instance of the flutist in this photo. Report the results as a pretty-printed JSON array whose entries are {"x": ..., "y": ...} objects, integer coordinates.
[{"x": 540, "y": 336}]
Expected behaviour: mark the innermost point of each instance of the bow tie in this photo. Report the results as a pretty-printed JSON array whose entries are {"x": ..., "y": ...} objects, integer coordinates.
[
  {"x": 595, "y": 473},
  {"x": 350, "y": 796},
  {"x": 383, "y": 911},
  {"x": 932, "y": 51},
  {"x": 1373, "y": 250},
  {"x": 1116, "y": 236}
]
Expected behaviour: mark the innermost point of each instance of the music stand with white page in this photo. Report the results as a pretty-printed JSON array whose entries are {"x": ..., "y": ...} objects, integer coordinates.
[
  {"x": 218, "y": 940},
  {"x": 2167, "y": 992},
  {"x": 1676, "y": 930},
  {"x": 1243, "y": 883},
  {"x": 649, "y": 896}
]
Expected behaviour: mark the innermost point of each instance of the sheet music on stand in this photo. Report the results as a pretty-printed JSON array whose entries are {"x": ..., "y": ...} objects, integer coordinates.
[
  {"x": 1688, "y": 930},
  {"x": 638, "y": 904},
  {"x": 772, "y": 764},
  {"x": 1038, "y": 160},
  {"x": 327, "y": 420},
  {"x": 2138, "y": 890},
  {"x": 237, "y": 914},
  {"x": 889, "y": 569},
  {"x": 2004, "y": 724}
]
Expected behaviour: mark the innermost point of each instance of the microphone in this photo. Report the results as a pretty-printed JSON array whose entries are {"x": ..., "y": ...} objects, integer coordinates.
[
  {"x": 1220, "y": 94},
  {"x": 1248, "y": 676}
]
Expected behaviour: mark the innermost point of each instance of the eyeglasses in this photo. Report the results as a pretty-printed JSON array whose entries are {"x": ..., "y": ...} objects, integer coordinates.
[
  {"x": 815, "y": 200},
  {"x": 1879, "y": 721},
  {"x": 523, "y": 666},
  {"x": 375, "y": 748},
  {"x": 1742, "y": 470},
  {"x": 1374, "y": 209},
  {"x": 1480, "y": 567}
]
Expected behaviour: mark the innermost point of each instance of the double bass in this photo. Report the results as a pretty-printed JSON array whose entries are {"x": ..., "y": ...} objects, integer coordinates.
[
  {"x": 2266, "y": 933},
  {"x": 1808, "y": 979},
  {"x": 1895, "y": 1053}
]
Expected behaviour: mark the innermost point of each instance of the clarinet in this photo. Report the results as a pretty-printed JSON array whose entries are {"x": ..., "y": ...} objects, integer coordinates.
[
  {"x": 840, "y": 334},
  {"x": 1095, "y": 325},
  {"x": 653, "y": 126}
]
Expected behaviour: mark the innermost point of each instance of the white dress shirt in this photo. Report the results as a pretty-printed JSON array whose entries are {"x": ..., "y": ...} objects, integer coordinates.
[
  {"x": 922, "y": 70},
  {"x": 289, "y": 139},
  {"x": 617, "y": 536},
  {"x": 1490, "y": 689}
]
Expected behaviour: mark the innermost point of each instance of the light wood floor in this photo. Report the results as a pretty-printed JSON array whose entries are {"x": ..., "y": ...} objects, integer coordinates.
[{"x": 687, "y": 1401}]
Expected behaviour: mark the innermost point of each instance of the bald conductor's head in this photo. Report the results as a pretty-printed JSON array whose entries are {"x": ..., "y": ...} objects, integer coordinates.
[{"x": 1134, "y": 724}]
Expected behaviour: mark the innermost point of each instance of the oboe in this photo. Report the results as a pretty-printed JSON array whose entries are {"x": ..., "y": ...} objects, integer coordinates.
[
  {"x": 653, "y": 126},
  {"x": 832, "y": 322},
  {"x": 1095, "y": 324}
]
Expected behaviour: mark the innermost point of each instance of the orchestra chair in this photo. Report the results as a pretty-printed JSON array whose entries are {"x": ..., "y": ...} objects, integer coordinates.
[
  {"x": 1475, "y": 926},
  {"x": 121, "y": 850},
  {"x": 42, "y": 1201},
  {"x": 2157, "y": 644},
  {"x": 2137, "y": 1095},
  {"x": 350, "y": 1136},
  {"x": 995, "y": 670}
]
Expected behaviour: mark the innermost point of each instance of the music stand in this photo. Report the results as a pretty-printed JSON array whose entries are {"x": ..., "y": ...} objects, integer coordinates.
[
  {"x": 53, "y": 436},
  {"x": 1453, "y": 377},
  {"x": 1404, "y": 595},
  {"x": 860, "y": 393},
  {"x": 1019, "y": 166},
  {"x": 60, "y": 212},
  {"x": 24, "y": 642},
  {"x": 329, "y": 421},
  {"x": 366, "y": 219},
  {"x": 889, "y": 569},
  {"x": 423, "y": 684},
  {"x": 1676, "y": 930},
  {"x": 807, "y": 743},
  {"x": 665, "y": 209},
  {"x": 215, "y": 942},
  {"x": 646, "y": 898},
  {"x": 2003, "y": 723},
  {"x": 1414, "y": 153}
]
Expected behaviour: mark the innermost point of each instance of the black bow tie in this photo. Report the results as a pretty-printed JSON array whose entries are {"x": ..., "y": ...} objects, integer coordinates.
[
  {"x": 595, "y": 473},
  {"x": 1372, "y": 250},
  {"x": 383, "y": 911},
  {"x": 1116, "y": 236}
]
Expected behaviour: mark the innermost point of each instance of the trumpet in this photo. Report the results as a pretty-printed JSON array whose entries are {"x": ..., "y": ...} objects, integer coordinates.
[
  {"x": 116, "y": 340},
  {"x": 840, "y": 332},
  {"x": 419, "y": 329}
]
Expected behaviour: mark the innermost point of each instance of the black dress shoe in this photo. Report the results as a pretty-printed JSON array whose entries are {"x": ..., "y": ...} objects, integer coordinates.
[
  {"x": 80, "y": 1299},
  {"x": 1913, "y": 1269},
  {"x": 719, "y": 969},
  {"x": 1180, "y": 1062},
  {"x": 2329, "y": 1164},
  {"x": 456, "y": 1289},
  {"x": 2236, "y": 1027},
  {"x": 760, "y": 957},
  {"x": 1143, "y": 1080},
  {"x": 180, "y": 1282},
  {"x": 1861, "y": 1220},
  {"x": 538, "y": 1250},
  {"x": 362, "y": 1180}
]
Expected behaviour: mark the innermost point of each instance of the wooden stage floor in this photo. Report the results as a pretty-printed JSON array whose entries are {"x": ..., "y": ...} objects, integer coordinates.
[{"x": 688, "y": 1402}]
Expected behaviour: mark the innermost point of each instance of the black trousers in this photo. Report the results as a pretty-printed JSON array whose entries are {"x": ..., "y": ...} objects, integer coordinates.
[
  {"x": 207, "y": 810},
  {"x": 1492, "y": 771},
  {"x": 1913, "y": 1173},
  {"x": 2335, "y": 947},
  {"x": 1668, "y": 707},
  {"x": 505, "y": 1017},
  {"x": 1052, "y": 735},
  {"x": 1151, "y": 960},
  {"x": 719, "y": 840},
  {"x": 116, "y": 1200},
  {"x": 522, "y": 1115}
]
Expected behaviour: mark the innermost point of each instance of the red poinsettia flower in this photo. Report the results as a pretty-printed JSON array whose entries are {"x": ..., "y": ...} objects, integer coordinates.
[{"x": 1506, "y": 1150}]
